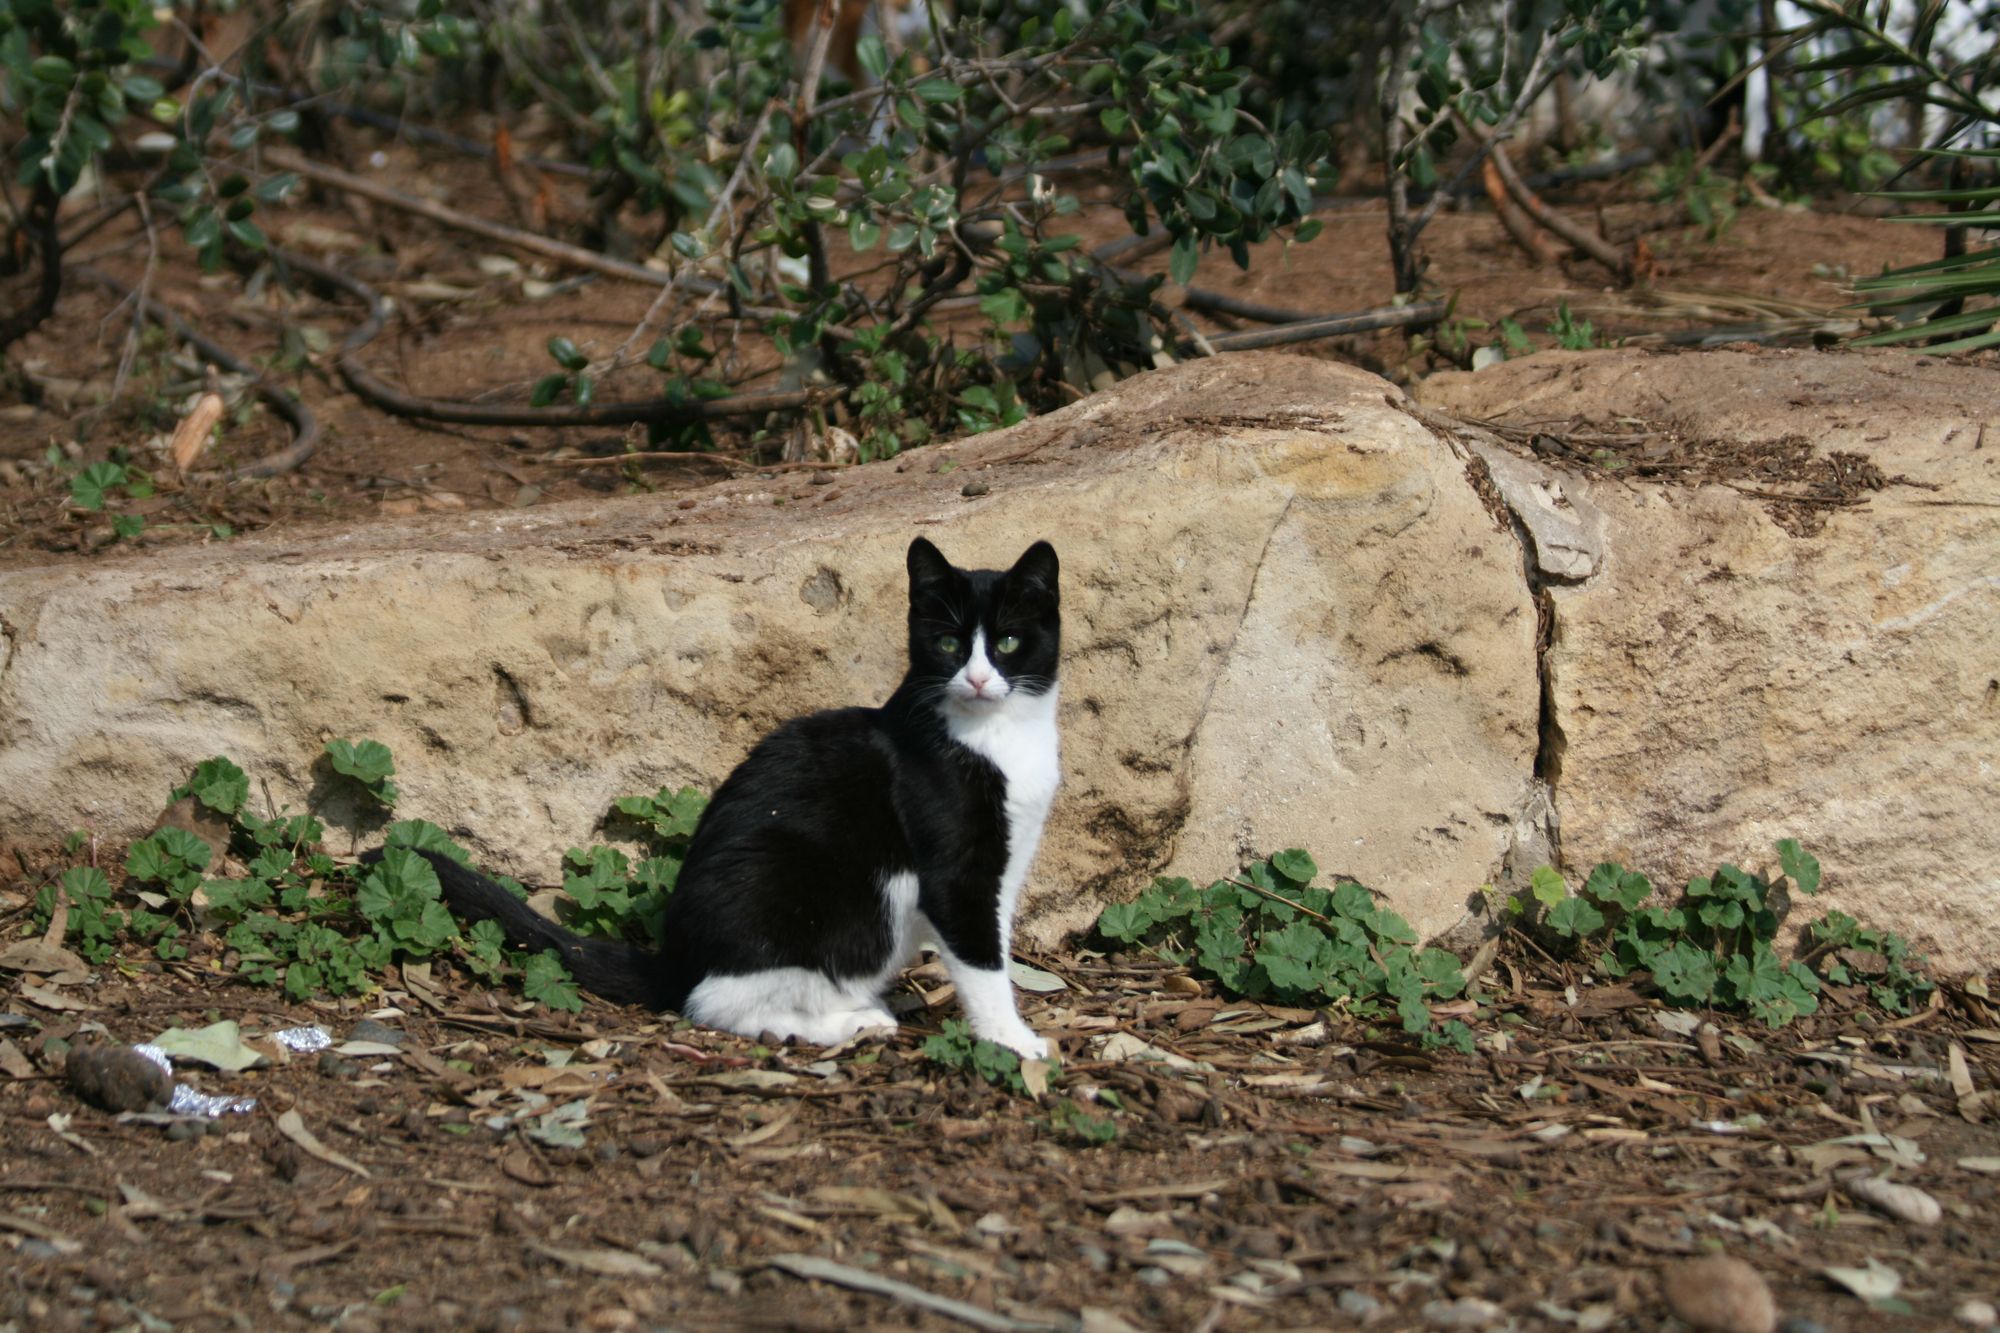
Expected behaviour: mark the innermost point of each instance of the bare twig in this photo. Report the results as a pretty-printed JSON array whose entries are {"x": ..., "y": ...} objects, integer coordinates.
[
  {"x": 129, "y": 355},
  {"x": 305, "y": 427},
  {"x": 574, "y": 255},
  {"x": 649, "y": 411},
  {"x": 622, "y": 357},
  {"x": 1418, "y": 314},
  {"x": 1581, "y": 238},
  {"x": 1518, "y": 225}
]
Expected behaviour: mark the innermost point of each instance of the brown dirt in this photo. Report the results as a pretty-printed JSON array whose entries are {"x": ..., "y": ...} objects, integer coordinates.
[
  {"x": 1301, "y": 1170},
  {"x": 470, "y": 333},
  {"x": 1361, "y": 1173}
]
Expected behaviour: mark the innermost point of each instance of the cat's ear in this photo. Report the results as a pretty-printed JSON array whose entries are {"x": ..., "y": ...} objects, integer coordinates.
[
  {"x": 1037, "y": 567},
  {"x": 927, "y": 564}
]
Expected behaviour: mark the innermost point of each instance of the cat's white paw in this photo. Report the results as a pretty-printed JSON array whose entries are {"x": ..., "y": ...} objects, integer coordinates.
[{"x": 1021, "y": 1040}]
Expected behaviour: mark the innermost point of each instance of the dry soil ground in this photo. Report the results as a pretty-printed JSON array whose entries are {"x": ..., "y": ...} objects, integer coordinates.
[{"x": 1270, "y": 1168}]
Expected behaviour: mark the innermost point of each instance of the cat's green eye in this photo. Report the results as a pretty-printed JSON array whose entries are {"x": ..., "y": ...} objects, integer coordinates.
[
  {"x": 948, "y": 644},
  {"x": 1009, "y": 643}
]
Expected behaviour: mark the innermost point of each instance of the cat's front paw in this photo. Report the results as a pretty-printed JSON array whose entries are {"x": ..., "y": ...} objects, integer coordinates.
[{"x": 1022, "y": 1041}]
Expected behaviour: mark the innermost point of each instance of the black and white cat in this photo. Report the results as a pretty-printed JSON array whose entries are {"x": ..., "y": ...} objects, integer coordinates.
[{"x": 847, "y": 838}]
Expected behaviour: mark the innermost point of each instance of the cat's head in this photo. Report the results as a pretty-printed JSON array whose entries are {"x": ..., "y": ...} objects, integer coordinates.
[{"x": 985, "y": 635}]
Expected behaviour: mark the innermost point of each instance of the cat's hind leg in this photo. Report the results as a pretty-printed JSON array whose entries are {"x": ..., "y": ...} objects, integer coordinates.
[{"x": 788, "y": 1003}]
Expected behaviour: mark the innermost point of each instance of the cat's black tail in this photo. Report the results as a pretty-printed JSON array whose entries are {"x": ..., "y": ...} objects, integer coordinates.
[{"x": 612, "y": 969}]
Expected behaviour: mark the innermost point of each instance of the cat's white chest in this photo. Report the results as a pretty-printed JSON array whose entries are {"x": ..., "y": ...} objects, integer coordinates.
[{"x": 1019, "y": 738}]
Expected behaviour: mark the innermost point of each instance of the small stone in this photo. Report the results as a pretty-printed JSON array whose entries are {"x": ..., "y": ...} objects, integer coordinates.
[
  {"x": 1466, "y": 1312},
  {"x": 1258, "y": 1243},
  {"x": 974, "y": 488},
  {"x": 1154, "y": 1277},
  {"x": 333, "y": 1066},
  {"x": 1800, "y": 1324},
  {"x": 1720, "y": 1293},
  {"x": 1977, "y": 1314},
  {"x": 381, "y": 1033},
  {"x": 724, "y": 1281},
  {"x": 643, "y": 1145},
  {"x": 1358, "y": 1305}
]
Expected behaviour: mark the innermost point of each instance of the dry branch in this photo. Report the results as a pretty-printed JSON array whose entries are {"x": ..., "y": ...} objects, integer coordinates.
[
  {"x": 1581, "y": 238},
  {"x": 1418, "y": 314},
  {"x": 647, "y": 411},
  {"x": 305, "y": 427},
  {"x": 1517, "y": 223},
  {"x": 573, "y": 255}
]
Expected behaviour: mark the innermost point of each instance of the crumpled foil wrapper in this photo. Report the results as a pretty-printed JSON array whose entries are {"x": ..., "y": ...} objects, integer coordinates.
[
  {"x": 186, "y": 1101},
  {"x": 304, "y": 1040}
]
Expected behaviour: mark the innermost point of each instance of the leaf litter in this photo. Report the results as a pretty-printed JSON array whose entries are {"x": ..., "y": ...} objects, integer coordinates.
[{"x": 1260, "y": 1165}]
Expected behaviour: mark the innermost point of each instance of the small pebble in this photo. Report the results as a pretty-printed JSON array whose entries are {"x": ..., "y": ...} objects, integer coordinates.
[
  {"x": 643, "y": 1145},
  {"x": 1720, "y": 1293},
  {"x": 1977, "y": 1314},
  {"x": 370, "y": 1030},
  {"x": 973, "y": 488},
  {"x": 724, "y": 1281},
  {"x": 1800, "y": 1324},
  {"x": 333, "y": 1066},
  {"x": 1358, "y": 1304},
  {"x": 1466, "y": 1312}
]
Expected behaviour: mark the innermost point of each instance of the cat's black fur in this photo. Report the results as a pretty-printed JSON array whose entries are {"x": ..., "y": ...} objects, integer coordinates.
[{"x": 786, "y": 866}]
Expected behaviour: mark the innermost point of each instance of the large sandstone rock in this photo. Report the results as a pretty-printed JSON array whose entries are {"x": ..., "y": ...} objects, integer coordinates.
[
  {"x": 1296, "y": 615},
  {"x": 1290, "y": 621},
  {"x": 1721, "y": 675}
]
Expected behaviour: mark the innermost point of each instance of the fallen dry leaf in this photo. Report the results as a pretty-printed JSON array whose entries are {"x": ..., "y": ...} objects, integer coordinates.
[
  {"x": 293, "y": 1127},
  {"x": 1876, "y": 1282},
  {"x": 1960, "y": 1074},
  {"x": 12, "y": 1062},
  {"x": 767, "y": 1131},
  {"x": 44, "y": 959},
  {"x": 603, "y": 1261},
  {"x": 49, "y": 999},
  {"x": 196, "y": 429},
  {"x": 1898, "y": 1200}
]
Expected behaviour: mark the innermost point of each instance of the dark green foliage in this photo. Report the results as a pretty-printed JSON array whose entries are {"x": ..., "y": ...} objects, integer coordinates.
[
  {"x": 1272, "y": 935},
  {"x": 217, "y": 784},
  {"x": 669, "y": 815},
  {"x": 956, "y": 1048},
  {"x": 93, "y": 927},
  {"x": 1092, "y": 1131},
  {"x": 1852, "y": 955},
  {"x": 297, "y": 919},
  {"x": 368, "y": 763},
  {"x": 1716, "y": 947}
]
